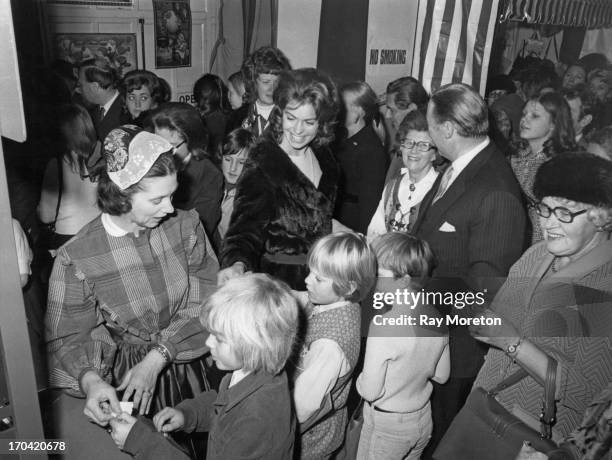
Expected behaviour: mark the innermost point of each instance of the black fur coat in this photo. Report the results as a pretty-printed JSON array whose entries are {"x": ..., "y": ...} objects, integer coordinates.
[{"x": 278, "y": 211}]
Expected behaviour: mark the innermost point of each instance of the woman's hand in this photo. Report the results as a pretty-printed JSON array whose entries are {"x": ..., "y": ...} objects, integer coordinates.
[
  {"x": 169, "y": 419},
  {"x": 121, "y": 427},
  {"x": 102, "y": 403},
  {"x": 140, "y": 380},
  {"x": 237, "y": 269},
  {"x": 500, "y": 336}
]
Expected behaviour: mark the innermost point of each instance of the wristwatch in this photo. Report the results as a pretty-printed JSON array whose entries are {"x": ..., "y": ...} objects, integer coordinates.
[{"x": 513, "y": 347}]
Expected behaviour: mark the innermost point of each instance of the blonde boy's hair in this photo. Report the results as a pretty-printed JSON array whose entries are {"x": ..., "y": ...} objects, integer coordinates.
[
  {"x": 404, "y": 254},
  {"x": 347, "y": 259},
  {"x": 257, "y": 315}
]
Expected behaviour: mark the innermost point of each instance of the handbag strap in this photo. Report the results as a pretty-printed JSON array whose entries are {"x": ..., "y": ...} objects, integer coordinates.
[
  {"x": 60, "y": 183},
  {"x": 549, "y": 409}
]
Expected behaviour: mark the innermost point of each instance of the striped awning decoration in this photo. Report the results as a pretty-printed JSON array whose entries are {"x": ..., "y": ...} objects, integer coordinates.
[
  {"x": 593, "y": 14},
  {"x": 453, "y": 42}
]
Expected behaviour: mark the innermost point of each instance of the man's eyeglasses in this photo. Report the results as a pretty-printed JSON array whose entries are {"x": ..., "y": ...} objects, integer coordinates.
[
  {"x": 562, "y": 214},
  {"x": 421, "y": 146}
]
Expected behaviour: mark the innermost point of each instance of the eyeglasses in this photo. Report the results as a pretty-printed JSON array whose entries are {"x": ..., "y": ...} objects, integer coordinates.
[
  {"x": 562, "y": 214},
  {"x": 421, "y": 146}
]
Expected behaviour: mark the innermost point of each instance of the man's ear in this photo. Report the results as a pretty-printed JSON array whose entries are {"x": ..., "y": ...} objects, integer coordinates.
[{"x": 448, "y": 129}]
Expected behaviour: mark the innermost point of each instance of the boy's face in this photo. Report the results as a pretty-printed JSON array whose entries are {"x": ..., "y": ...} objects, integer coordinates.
[
  {"x": 232, "y": 166},
  {"x": 320, "y": 289},
  {"x": 223, "y": 353}
]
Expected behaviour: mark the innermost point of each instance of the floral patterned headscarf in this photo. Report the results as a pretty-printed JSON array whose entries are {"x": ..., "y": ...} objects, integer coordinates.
[{"x": 130, "y": 153}]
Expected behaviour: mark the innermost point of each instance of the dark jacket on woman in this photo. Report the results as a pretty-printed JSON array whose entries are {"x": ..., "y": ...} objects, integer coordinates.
[
  {"x": 251, "y": 420},
  {"x": 278, "y": 213},
  {"x": 201, "y": 188},
  {"x": 363, "y": 163}
]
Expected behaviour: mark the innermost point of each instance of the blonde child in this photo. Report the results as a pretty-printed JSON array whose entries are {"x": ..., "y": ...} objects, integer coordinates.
[
  {"x": 400, "y": 362},
  {"x": 342, "y": 271},
  {"x": 252, "y": 322}
]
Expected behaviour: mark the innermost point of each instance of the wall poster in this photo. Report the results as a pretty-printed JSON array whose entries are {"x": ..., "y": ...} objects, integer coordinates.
[
  {"x": 172, "y": 33},
  {"x": 119, "y": 50}
]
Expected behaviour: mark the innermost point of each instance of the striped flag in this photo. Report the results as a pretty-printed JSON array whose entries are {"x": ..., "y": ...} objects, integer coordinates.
[{"x": 453, "y": 42}]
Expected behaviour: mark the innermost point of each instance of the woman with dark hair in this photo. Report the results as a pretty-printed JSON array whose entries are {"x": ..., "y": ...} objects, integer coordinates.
[
  {"x": 403, "y": 193},
  {"x": 200, "y": 181},
  {"x": 143, "y": 92},
  {"x": 362, "y": 158},
  {"x": 125, "y": 296},
  {"x": 261, "y": 71},
  {"x": 546, "y": 129},
  {"x": 68, "y": 193},
  {"x": 285, "y": 196},
  {"x": 210, "y": 94}
]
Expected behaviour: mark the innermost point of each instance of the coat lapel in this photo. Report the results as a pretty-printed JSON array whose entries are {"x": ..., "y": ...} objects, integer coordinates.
[{"x": 433, "y": 212}]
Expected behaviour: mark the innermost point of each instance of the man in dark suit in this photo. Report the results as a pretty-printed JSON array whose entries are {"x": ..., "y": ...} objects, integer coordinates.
[
  {"x": 97, "y": 84},
  {"x": 474, "y": 221}
]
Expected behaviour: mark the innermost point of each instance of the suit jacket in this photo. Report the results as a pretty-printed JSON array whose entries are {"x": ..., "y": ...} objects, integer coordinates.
[
  {"x": 112, "y": 119},
  {"x": 484, "y": 207}
]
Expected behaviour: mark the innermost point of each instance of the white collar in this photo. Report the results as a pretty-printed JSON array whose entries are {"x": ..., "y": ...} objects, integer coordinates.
[
  {"x": 427, "y": 179},
  {"x": 317, "y": 309},
  {"x": 109, "y": 104},
  {"x": 461, "y": 163},
  {"x": 263, "y": 110},
  {"x": 111, "y": 227}
]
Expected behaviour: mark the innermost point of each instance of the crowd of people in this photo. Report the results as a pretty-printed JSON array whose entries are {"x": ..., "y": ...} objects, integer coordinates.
[{"x": 215, "y": 265}]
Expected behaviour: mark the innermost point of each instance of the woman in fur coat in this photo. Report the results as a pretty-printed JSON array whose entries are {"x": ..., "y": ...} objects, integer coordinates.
[{"x": 286, "y": 194}]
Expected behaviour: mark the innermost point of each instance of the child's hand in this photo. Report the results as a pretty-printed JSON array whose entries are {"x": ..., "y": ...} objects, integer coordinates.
[
  {"x": 121, "y": 427},
  {"x": 168, "y": 419}
]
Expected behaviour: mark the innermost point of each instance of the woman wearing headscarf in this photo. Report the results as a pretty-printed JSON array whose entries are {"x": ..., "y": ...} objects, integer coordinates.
[{"x": 125, "y": 295}]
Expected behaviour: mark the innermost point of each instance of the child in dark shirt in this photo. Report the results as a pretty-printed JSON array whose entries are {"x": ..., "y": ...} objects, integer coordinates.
[{"x": 252, "y": 322}]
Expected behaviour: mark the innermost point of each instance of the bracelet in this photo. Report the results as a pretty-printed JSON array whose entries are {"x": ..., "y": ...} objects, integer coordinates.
[
  {"x": 512, "y": 349},
  {"x": 163, "y": 350}
]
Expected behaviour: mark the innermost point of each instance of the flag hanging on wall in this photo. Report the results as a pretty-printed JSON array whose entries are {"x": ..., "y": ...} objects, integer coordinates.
[{"x": 453, "y": 42}]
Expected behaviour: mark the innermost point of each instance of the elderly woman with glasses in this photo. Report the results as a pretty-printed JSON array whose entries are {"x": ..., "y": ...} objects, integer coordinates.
[
  {"x": 555, "y": 303},
  {"x": 403, "y": 193}
]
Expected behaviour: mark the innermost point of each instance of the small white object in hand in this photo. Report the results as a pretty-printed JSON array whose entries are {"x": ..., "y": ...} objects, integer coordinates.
[{"x": 126, "y": 406}]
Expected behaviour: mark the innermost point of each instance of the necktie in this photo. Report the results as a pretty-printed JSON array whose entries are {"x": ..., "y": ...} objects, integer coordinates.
[
  {"x": 261, "y": 124},
  {"x": 101, "y": 112},
  {"x": 444, "y": 183}
]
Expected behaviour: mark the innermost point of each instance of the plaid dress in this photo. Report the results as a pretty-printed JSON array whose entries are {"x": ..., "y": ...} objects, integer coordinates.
[{"x": 112, "y": 298}]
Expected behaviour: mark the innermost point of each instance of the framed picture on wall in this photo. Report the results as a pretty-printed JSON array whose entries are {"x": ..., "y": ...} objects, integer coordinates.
[
  {"x": 172, "y": 33},
  {"x": 119, "y": 50}
]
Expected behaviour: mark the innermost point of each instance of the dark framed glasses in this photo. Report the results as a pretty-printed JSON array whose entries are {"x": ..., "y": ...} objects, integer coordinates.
[
  {"x": 562, "y": 214},
  {"x": 421, "y": 146}
]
